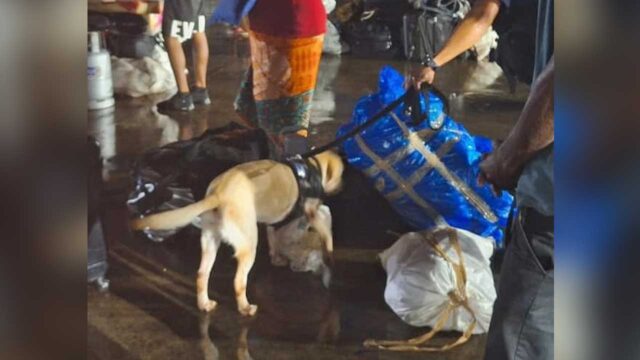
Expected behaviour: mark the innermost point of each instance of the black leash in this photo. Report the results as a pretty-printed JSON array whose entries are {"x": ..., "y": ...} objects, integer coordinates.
[{"x": 411, "y": 97}]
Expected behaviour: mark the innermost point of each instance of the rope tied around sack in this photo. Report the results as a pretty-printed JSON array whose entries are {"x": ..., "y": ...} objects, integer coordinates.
[{"x": 457, "y": 298}]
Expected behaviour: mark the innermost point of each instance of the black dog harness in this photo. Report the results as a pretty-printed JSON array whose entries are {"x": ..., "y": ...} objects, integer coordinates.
[{"x": 309, "y": 179}]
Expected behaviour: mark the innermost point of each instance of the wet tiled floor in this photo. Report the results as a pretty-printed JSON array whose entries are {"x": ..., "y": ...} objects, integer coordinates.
[{"x": 150, "y": 310}]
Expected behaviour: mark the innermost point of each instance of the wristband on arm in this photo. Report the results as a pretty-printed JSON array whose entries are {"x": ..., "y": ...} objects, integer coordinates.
[{"x": 429, "y": 62}]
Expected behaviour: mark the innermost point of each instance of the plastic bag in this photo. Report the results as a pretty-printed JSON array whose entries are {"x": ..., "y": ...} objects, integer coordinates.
[
  {"x": 332, "y": 43},
  {"x": 329, "y": 5},
  {"x": 139, "y": 77},
  {"x": 300, "y": 246},
  {"x": 429, "y": 177},
  {"x": 419, "y": 280},
  {"x": 231, "y": 11}
]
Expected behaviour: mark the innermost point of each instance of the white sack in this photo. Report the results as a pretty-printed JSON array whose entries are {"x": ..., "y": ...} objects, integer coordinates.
[
  {"x": 332, "y": 44},
  {"x": 139, "y": 77},
  {"x": 419, "y": 280}
]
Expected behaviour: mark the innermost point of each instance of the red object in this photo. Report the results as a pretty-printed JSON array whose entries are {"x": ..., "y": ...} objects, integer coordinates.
[
  {"x": 129, "y": 5},
  {"x": 288, "y": 18}
]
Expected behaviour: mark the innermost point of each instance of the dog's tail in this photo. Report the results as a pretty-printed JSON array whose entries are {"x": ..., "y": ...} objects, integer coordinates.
[{"x": 176, "y": 218}]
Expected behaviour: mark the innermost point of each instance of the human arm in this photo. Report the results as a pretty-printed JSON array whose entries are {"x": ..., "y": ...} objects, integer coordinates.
[
  {"x": 472, "y": 28},
  {"x": 532, "y": 133}
]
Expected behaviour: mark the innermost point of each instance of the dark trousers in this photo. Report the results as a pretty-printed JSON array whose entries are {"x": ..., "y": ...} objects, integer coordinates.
[{"x": 522, "y": 323}]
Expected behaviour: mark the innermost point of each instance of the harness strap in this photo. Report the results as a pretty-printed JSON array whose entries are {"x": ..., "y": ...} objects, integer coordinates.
[{"x": 309, "y": 180}]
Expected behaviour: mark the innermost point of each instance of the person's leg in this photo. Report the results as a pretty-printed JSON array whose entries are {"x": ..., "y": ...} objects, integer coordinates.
[
  {"x": 178, "y": 62},
  {"x": 244, "y": 104},
  {"x": 201, "y": 48},
  {"x": 181, "y": 101},
  {"x": 174, "y": 32},
  {"x": 199, "y": 91},
  {"x": 522, "y": 322}
]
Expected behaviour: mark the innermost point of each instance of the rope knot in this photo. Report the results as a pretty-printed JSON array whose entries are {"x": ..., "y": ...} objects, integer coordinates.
[{"x": 456, "y": 298}]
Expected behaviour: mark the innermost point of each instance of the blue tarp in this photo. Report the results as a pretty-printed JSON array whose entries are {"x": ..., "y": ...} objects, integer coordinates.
[
  {"x": 231, "y": 11},
  {"x": 431, "y": 180}
]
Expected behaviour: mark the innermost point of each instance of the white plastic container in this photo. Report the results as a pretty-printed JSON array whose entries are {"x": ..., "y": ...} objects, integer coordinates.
[{"x": 100, "y": 84}]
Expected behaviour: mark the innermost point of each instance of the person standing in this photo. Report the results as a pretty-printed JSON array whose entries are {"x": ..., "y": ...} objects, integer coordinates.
[
  {"x": 522, "y": 322},
  {"x": 183, "y": 20},
  {"x": 286, "y": 38},
  {"x": 525, "y": 44}
]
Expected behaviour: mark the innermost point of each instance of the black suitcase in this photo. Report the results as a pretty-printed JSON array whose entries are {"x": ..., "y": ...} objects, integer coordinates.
[
  {"x": 96, "y": 245},
  {"x": 425, "y": 33}
]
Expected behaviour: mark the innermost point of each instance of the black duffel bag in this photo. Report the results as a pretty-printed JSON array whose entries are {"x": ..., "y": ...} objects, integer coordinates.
[
  {"x": 128, "y": 38},
  {"x": 178, "y": 174}
]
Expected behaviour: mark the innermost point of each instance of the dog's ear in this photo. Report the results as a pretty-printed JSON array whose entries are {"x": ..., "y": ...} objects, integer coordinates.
[{"x": 332, "y": 169}]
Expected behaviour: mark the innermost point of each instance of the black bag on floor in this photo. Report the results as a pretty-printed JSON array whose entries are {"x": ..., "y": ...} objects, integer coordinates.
[
  {"x": 96, "y": 247},
  {"x": 131, "y": 46},
  {"x": 128, "y": 36},
  {"x": 178, "y": 174},
  {"x": 361, "y": 215},
  {"x": 370, "y": 39},
  {"x": 98, "y": 22}
]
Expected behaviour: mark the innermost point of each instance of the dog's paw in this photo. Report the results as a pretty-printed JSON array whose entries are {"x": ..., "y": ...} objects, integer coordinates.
[
  {"x": 207, "y": 305},
  {"x": 249, "y": 310}
]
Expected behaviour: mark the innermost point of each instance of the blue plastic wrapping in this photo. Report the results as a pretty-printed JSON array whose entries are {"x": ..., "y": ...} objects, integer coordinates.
[
  {"x": 429, "y": 177},
  {"x": 231, "y": 11}
]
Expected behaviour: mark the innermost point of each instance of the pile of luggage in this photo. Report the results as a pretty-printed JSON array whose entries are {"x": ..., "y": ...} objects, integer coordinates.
[
  {"x": 390, "y": 29},
  {"x": 140, "y": 65}
]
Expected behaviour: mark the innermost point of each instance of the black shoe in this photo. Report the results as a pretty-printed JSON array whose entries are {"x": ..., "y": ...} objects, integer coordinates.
[
  {"x": 178, "y": 102},
  {"x": 200, "y": 96}
]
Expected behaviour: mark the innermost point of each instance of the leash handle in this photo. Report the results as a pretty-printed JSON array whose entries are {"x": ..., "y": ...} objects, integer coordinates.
[{"x": 411, "y": 97}]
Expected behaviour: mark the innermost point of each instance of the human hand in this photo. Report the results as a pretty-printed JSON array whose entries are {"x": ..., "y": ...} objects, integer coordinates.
[
  {"x": 421, "y": 75},
  {"x": 500, "y": 172}
]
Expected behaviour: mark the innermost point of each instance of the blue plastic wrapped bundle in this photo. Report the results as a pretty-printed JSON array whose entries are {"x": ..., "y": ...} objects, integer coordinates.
[{"x": 429, "y": 177}]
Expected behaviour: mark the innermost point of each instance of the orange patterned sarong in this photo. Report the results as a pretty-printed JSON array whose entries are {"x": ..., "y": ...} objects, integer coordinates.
[{"x": 276, "y": 93}]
